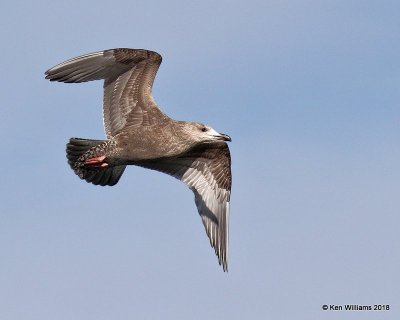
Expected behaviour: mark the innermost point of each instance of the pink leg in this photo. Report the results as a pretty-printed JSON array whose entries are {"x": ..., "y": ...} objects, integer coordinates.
[{"x": 97, "y": 162}]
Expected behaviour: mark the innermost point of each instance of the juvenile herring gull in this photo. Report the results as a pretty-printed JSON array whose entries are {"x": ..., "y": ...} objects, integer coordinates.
[{"x": 139, "y": 133}]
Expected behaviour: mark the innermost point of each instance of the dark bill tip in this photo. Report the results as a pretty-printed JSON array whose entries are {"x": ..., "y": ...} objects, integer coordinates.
[{"x": 225, "y": 137}]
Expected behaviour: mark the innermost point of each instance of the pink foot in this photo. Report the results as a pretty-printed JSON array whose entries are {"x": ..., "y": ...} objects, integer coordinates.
[{"x": 96, "y": 162}]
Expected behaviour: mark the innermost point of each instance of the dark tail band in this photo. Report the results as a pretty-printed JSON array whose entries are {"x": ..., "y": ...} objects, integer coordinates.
[{"x": 78, "y": 150}]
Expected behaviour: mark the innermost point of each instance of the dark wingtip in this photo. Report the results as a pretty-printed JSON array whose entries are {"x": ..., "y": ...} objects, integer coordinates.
[{"x": 48, "y": 76}]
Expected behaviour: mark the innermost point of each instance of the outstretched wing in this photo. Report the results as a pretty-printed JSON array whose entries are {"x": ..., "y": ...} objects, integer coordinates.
[
  {"x": 128, "y": 79},
  {"x": 206, "y": 170}
]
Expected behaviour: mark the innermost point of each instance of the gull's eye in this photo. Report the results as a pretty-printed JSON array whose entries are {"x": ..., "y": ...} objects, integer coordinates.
[{"x": 204, "y": 129}]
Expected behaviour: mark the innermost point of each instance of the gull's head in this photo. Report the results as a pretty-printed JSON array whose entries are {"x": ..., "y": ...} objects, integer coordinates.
[{"x": 203, "y": 133}]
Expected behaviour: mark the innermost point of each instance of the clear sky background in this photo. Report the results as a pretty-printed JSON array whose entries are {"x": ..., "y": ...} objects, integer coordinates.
[{"x": 309, "y": 93}]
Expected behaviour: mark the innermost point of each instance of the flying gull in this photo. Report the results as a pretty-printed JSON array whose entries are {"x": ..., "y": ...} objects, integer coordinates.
[{"x": 139, "y": 133}]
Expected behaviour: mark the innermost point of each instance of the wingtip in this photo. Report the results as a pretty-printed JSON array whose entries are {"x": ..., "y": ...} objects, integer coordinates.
[
  {"x": 223, "y": 263},
  {"x": 49, "y": 76}
]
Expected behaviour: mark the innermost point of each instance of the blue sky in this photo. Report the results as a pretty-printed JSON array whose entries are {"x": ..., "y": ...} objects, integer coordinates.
[{"x": 309, "y": 93}]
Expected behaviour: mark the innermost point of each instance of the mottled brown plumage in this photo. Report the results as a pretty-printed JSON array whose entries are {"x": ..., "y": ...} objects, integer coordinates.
[{"x": 139, "y": 133}]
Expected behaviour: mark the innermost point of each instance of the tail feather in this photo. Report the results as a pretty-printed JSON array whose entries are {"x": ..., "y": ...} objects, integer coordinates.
[{"x": 78, "y": 150}]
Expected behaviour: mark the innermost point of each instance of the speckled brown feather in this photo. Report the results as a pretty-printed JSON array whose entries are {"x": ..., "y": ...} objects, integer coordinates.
[
  {"x": 128, "y": 79},
  {"x": 213, "y": 161},
  {"x": 79, "y": 150},
  {"x": 139, "y": 133}
]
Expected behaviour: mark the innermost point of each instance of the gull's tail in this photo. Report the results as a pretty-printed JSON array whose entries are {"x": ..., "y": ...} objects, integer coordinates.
[{"x": 80, "y": 150}]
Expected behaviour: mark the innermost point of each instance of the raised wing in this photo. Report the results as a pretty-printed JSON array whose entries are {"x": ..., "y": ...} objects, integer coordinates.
[
  {"x": 128, "y": 79},
  {"x": 206, "y": 170}
]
